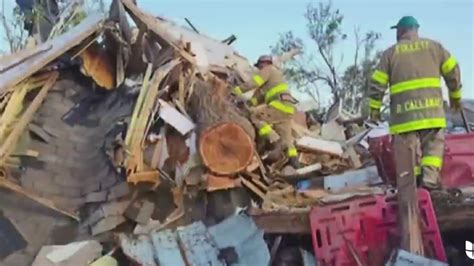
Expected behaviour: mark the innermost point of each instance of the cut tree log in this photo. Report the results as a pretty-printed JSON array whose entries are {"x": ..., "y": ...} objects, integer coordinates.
[{"x": 225, "y": 137}]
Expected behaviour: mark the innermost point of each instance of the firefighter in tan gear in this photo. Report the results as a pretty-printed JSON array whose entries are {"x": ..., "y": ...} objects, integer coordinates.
[
  {"x": 273, "y": 105},
  {"x": 412, "y": 69}
]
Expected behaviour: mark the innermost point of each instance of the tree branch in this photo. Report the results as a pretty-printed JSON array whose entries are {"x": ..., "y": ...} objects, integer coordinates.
[{"x": 7, "y": 29}]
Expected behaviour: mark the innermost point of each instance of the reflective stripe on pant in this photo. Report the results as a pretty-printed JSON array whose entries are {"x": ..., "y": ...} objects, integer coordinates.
[
  {"x": 430, "y": 143},
  {"x": 267, "y": 118}
]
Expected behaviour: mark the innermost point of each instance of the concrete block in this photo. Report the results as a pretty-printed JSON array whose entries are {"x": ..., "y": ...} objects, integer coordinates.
[
  {"x": 107, "y": 224},
  {"x": 73, "y": 254},
  {"x": 116, "y": 208},
  {"x": 140, "y": 211}
]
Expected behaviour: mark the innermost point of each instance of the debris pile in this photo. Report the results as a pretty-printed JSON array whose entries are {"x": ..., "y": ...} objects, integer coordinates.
[{"x": 173, "y": 173}]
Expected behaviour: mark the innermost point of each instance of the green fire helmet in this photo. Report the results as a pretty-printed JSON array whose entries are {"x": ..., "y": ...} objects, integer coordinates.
[{"x": 406, "y": 22}]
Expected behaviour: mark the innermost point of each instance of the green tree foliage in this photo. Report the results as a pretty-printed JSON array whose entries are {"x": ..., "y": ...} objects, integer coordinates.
[{"x": 316, "y": 70}]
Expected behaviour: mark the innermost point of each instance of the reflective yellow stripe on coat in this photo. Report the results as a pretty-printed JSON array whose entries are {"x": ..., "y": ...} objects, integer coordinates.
[
  {"x": 288, "y": 109},
  {"x": 455, "y": 94},
  {"x": 417, "y": 125},
  {"x": 278, "y": 89},
  {"x": 375, "y": 104},
  {"x": 265, "y": 130},
  {"x": 380, "y": 77},
  {"x": 258, "y": 80},
  {"x": 414, "y": 84},
  {"x": 448, "y": 65}
]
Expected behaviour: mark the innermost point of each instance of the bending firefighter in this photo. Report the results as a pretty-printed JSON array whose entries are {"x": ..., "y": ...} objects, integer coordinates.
[
  {"x": 412, "y": 68},
  {"x": 273, "y": 105}
]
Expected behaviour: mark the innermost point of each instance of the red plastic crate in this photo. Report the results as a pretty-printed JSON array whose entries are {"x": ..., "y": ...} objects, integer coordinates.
[
  {"x": 368, "y": 226},
  {"x": 458, "y": 161}
]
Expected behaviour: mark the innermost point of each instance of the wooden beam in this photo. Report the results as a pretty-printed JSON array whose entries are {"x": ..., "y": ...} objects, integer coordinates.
[
  {"x": 282, "y": 222},
  {"x": 12, "y": 109},
  {"x": 45, "y": 202},
  {"x": 10, "y": 142},
  {"x": 252, "y": 187},
  {"x": 138, "y": 106},
  {"x": 408, "y": 212},
  {"x": 320, "y": 145},
  {"x": 141, "y": 115},
  {"x": 43, "y": 54},
  {"x": 148, "y": 176}
]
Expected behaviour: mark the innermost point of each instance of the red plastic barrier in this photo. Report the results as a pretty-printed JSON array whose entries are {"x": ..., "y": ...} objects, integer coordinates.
[
  {"x": 458, "y": 162},
  {"x": 368, "y": 228}
]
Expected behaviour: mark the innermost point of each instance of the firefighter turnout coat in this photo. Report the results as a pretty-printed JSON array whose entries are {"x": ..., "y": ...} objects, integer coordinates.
[{"x": 412, "y": 69}]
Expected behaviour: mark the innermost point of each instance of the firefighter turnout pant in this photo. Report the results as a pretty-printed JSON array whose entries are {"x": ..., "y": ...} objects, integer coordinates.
[
  {"x": 268, "y": 119},
  {"x": 429, "y": 153}
]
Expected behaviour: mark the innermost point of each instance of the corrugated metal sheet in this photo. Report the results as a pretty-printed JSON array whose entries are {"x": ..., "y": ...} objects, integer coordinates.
[
  {"x": 198, "y": 245},
  {"x": 139, "y": 250},
  {"x": 166, "y": 248},
  {"x": 15, "y": 69},
  {"x": 241, "y": 232}
]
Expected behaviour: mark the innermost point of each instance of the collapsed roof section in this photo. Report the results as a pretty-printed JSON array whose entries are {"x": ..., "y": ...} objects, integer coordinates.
[{"x": 202, "y": 51}]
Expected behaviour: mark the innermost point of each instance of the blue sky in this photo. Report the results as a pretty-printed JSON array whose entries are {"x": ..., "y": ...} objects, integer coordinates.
[{"x": 257, "y": 23}]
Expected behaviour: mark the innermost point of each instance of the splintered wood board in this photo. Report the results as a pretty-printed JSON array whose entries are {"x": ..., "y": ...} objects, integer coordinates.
[
  {"x": 174, "y": 118},
  {"x": 320, "y": 145}
]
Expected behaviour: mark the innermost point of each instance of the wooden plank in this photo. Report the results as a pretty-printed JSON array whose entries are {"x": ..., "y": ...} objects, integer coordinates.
[
  {"x": 282, "y": 222},
  {"x": 309, "y": 169},
  {"x": 138, "y": 105},
  {"x": 157, "y": 151},
  {"x": 10, "y": 142},
  {"x": 143, "y": 115},
  {"x": 252, "y": 187},
  {"x": 44, "y": 202},
  {"x": 11, "y": 60},
  {"x": 174, "y": 118},
  {"x": 408, "y": 212},
  {"x": 148, "y": 176},
  {"x": 215, "y": 183},
  {"x": 12, "y": 109},
  {"x": 320, "y": 145}
]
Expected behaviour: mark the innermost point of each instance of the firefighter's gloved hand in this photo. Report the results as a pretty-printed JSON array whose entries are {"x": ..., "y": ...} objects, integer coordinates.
[
  {"x": 455, "y": 104},
  {"x": 374, "y": 115}
]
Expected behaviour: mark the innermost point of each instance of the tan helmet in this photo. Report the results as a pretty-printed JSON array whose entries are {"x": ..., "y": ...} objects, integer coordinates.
[{"x": 264, "y": 58}]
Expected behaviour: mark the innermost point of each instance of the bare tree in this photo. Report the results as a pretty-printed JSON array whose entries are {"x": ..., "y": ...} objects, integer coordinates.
[
  {"x": 14, "y": 33},
  {"x": 317, "y": 71},
  {"x": 15, "y": 22}
]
